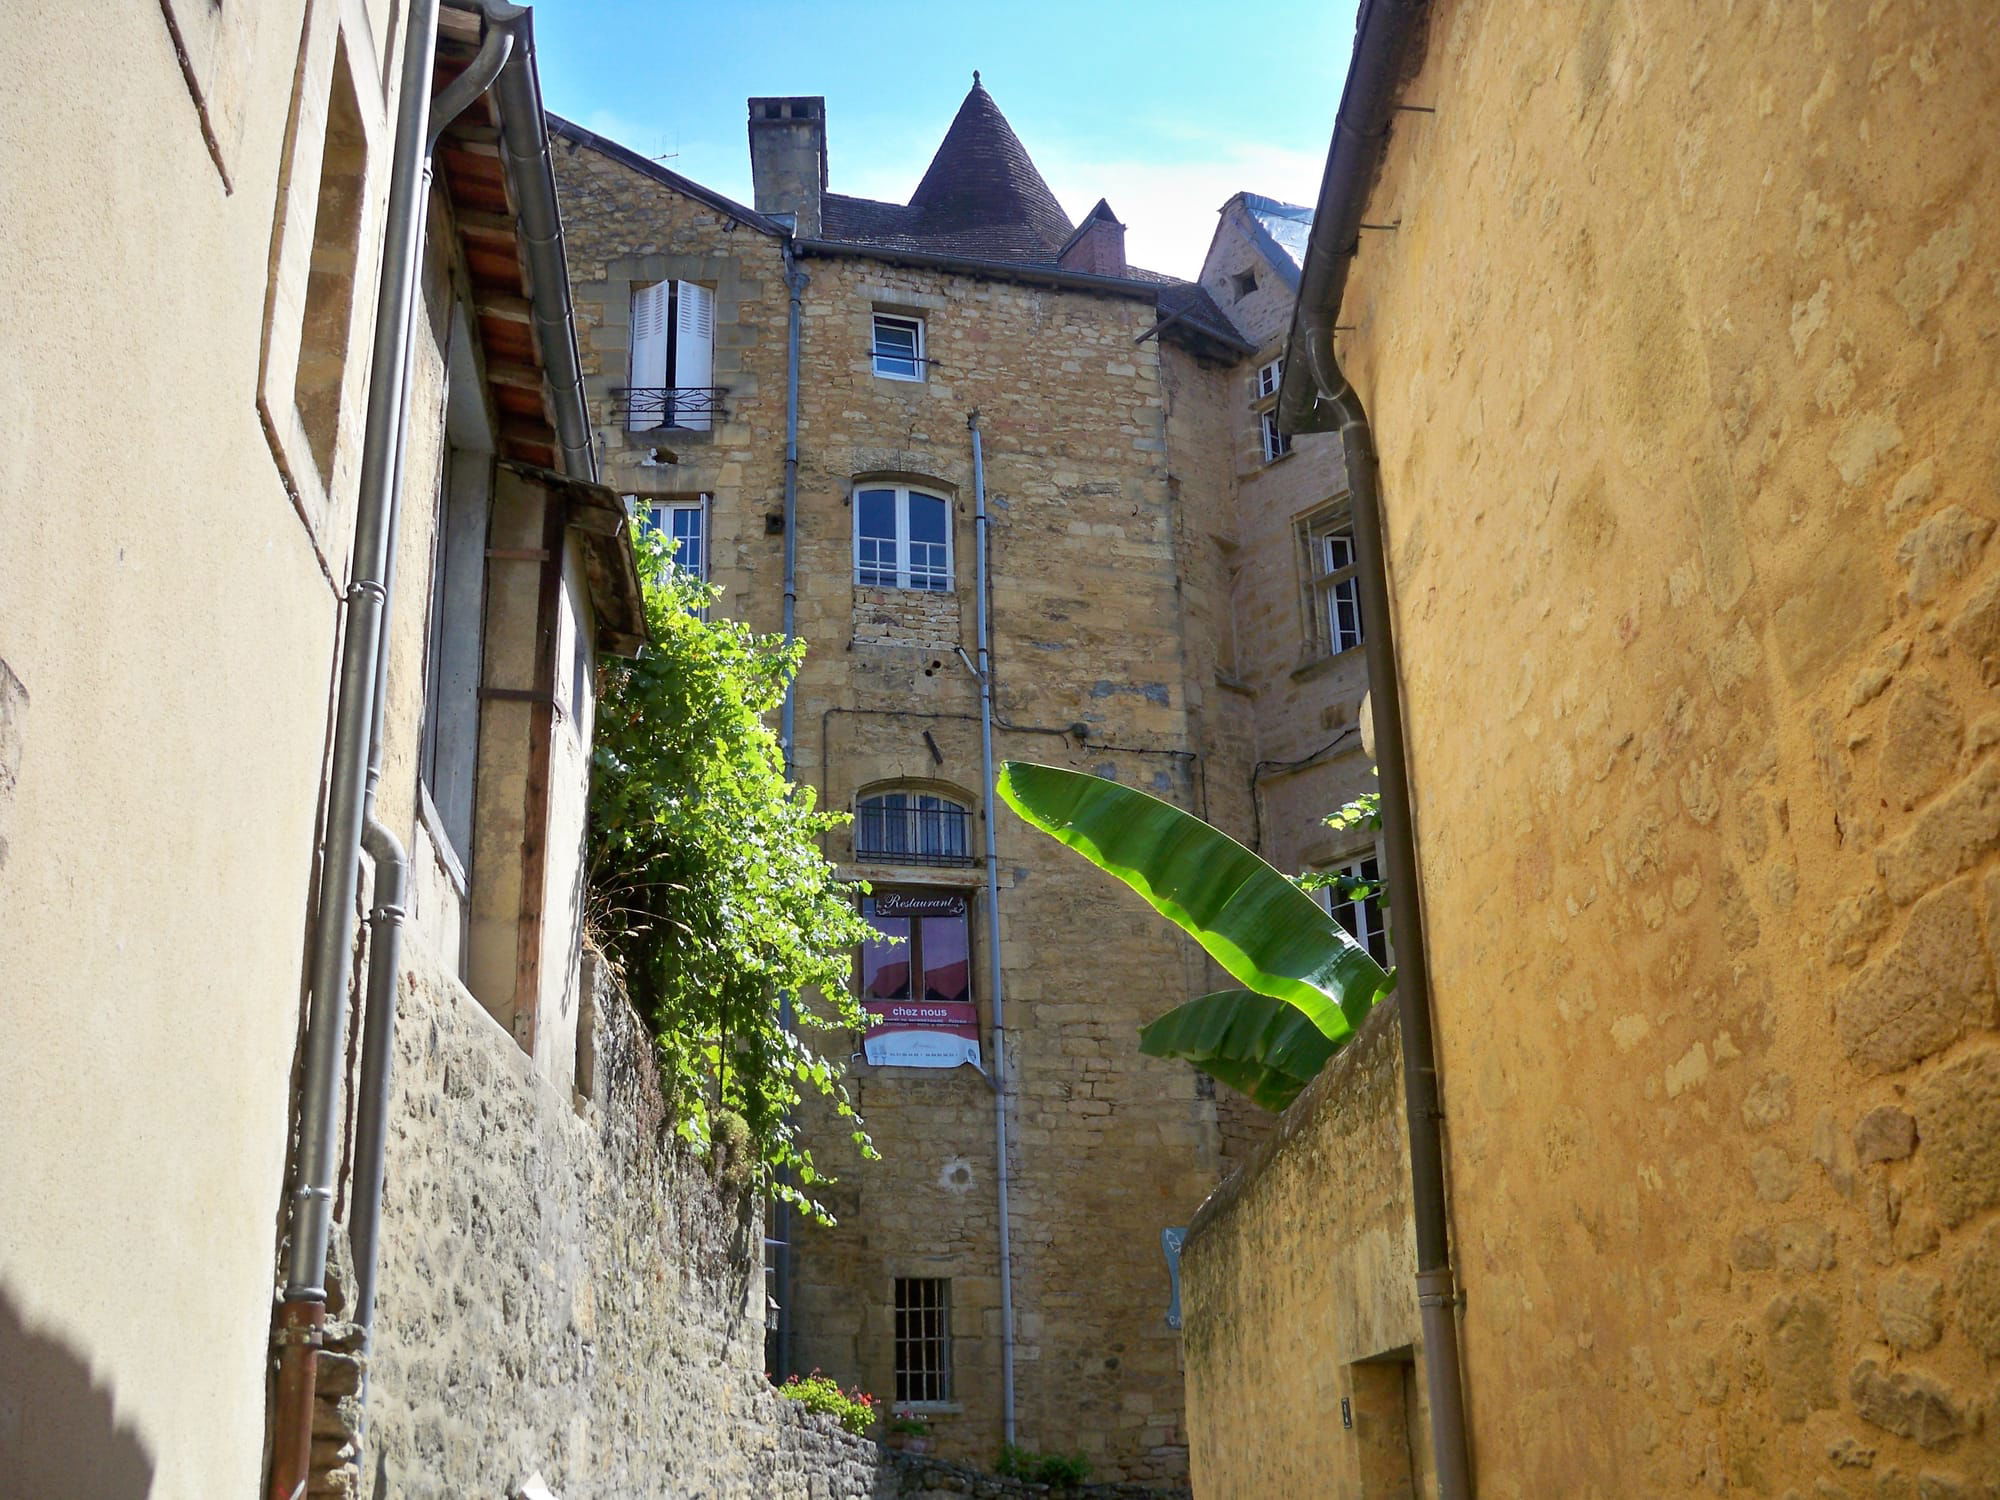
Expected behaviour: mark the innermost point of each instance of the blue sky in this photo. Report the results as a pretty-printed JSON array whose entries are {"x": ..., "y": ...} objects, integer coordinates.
[{"x": 1164, "y": 108}]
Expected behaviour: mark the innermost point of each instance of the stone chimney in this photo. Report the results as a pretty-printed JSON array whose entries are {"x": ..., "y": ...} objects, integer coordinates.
[
  {"x": 788, "y": 160},
  {"x": 1098, "y": 246}
]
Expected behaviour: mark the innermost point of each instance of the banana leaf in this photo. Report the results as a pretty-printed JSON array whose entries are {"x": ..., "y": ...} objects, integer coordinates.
[
  {"x": 1261, "y": 1047},
  {"x": 1269, "y": 935}
]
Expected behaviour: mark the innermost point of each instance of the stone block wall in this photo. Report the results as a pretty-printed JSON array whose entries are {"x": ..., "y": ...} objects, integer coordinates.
[
  {"x": 1684, "y": 399},
  {"x": 564, "y": 1292},
  {"x": 1298, "y": 1291}
]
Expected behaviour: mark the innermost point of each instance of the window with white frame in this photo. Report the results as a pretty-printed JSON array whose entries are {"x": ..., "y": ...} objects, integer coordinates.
[
  {"x": 923, "y": 1339},
  {"x": 902, "y": 539},
  {"x": 899, "y": 347},
  {"x": 1332, "y": 583},
  {"x": 673, "y": 358},
  {"x": 1357, "y": 903},
  {"x": 1276, "y": 444},
  {"x": 685, "y": 524},
  {"x": 912, "y": 828},
  {"x": 1268, "y": 378}
]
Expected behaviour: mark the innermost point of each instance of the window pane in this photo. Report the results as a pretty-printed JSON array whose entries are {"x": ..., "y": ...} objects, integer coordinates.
[
  {"x": 927, "y": 518},
  {"x": 896, "y": 348},
  {"x": 947, "y": 971},
  {"x": 885, "y": 968},
  {"x": 877, "y": 512},
  {"x": 687, "y": 532}
]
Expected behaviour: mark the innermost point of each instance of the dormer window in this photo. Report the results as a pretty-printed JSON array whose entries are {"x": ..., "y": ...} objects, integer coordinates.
[
  {"x": 1244, "y": 283},
  {"x": 899, "y": 347}
]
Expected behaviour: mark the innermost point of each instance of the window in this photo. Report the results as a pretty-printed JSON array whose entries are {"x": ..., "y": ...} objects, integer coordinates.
[
  {"x": 685, "y": 524},
  {"x": 912, "y": 828},
  {"x": 321, "y": 380},
  {"x": 1333, "y": 589},
  {"x": 923, "y": 1339},
  {"x": 899, "y": 347},
  {"x": 922, "y": 950},
  {"x": 1276, "y": 444},
  {"x": 1268, "y": 377},
  {"x": 902, "y": 539},
  {"x": 1363, "y": 917},
  {"x": 1244, "y": 283},
  {"x": 673, "y": 358}
]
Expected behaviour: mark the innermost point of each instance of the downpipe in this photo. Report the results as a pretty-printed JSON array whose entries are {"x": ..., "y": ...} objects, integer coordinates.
[
  {"x": 355, "y": 774},
  {"x": 981, "y": 526},
  {"x": 1437, "y": 1298}
]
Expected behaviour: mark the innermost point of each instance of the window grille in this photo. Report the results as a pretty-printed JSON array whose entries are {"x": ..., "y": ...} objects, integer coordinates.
[
  {"x": 912, "y": 828},
  {"x": 1332, "y": 584},
  {"x": 923, "y": 1338}
]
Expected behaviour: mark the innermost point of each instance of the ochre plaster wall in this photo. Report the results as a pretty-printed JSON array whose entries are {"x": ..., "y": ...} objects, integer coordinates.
[
  {"x": 1681, "y": 366},
  {"x": 169, "y": 618}
]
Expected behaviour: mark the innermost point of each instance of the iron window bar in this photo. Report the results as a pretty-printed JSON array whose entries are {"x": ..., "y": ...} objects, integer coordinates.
[
  {"x": 671, "y": 403},
  {"x": 913, "y": 835},
  {"x": 923, "y": 1339}
]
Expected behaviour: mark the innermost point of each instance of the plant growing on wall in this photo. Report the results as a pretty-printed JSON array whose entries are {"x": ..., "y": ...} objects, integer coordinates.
[
  {"x": 1307, "y": 984},
  {"x": 855, "y": 1409},
  {"x": 708, "y": 888}
]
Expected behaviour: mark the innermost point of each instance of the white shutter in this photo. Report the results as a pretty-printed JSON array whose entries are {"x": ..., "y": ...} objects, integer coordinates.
[
  {"x": 649, "y": 355},
  {"x": 694, "y": 349}
]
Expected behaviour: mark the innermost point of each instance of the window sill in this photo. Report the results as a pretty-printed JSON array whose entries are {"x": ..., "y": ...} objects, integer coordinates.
[
  {"x": 1270, "y": 463},
  {"x": 899, "y": 379}
]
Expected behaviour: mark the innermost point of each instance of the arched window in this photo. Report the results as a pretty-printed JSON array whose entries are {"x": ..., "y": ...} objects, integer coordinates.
[
  {"x": 902, "y": 539},
  {"x": 912, "y": 828}
]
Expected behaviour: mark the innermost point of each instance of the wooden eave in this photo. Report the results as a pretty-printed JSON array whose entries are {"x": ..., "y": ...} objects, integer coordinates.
[{"x": 472, "y": 175}]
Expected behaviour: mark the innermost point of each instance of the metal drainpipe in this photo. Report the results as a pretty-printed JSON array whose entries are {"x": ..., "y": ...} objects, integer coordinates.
[
  {"x": 1315, "y": 396},
  {"x": 795, "y": 286},
  {"x": 302, "y": 1313},
  {"x": 385, "y": 849},
  {"x": 981, "y": 526}
]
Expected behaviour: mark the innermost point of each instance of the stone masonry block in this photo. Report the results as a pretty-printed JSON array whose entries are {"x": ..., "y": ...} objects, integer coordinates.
[
  {"x": 1950, "y": 836},
  {"x": 1906, "y": 1403},
  {"x": 1957, "y": 1110},
  {"x": 1921, "y": 996}
]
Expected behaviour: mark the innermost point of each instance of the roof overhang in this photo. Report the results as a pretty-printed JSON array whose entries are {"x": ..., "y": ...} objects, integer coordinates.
[{"x": 603, "y": 530}]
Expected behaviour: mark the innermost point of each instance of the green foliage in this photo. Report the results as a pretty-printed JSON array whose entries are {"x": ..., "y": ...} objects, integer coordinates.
[
  {"x": 1056, "y": 1470},
  {"x": 821, "y": 1393},
  {"x": 1365, "y": 811},
  {"x": 1263, "y": 1048},
  {"x": 709, "y": 890},
  {"x": 1260, "y": 926}
]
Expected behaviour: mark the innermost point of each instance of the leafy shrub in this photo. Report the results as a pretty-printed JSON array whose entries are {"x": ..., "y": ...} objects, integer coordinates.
[
  {"x": 822, "y": 1393},
  {"x": 709, "y": 890},
  {"x": 1056, "y": 1470}
]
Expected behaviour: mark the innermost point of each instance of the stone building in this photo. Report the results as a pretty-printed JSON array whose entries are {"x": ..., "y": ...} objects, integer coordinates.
[
  {"x": 1674, "y": 331},
  {"x": 974, "y": 349}
]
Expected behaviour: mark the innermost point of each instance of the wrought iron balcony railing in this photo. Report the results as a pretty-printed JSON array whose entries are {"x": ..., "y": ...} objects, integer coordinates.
[
  {"x": 696, "y": 407},
  {"x": 913, "y": 835}
]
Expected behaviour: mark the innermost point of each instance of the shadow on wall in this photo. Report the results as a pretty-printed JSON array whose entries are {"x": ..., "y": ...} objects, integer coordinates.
[{"x": 60, "y": 1438}]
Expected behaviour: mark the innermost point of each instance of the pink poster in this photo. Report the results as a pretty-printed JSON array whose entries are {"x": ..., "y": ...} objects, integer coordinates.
[{"x": 915, "y": 981}]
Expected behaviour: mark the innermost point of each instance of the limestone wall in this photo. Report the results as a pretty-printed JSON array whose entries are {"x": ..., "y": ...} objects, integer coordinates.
[
  {"x": 1094, "y": 575},
  {"x": 1681, "y": 367},
  {"x": 1298, "y": 1296},
  {"x": 563, "y": 1293}
]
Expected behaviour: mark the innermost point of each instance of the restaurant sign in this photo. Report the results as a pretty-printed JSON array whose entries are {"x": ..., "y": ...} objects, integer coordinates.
[{"x": 916, "y": 981}]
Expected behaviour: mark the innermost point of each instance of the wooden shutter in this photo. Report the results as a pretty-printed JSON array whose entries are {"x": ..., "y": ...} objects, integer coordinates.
[
  {"x": 649, "y": 356},
  {"x": 694, "y": 350}
]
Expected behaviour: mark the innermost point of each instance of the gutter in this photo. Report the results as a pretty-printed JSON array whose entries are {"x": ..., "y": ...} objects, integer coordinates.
[
  {"x": 795, "y": 288},
  {"x": 983, "y": 526},
  {"x": 995, "y": 270},
  {"x": 1315, "y": 396}
]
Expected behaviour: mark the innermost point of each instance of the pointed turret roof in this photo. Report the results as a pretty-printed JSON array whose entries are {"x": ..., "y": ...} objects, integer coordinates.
[{"x": 983, "y": 176}]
